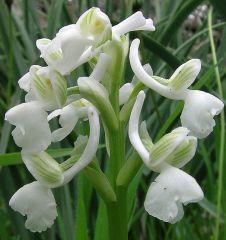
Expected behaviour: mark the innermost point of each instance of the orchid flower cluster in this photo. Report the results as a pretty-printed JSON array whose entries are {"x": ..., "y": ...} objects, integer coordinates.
[{"x": 94, "y": 40}]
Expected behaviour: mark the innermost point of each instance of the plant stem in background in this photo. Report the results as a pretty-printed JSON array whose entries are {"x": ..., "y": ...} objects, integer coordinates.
[{"x": 222, "y": 129}]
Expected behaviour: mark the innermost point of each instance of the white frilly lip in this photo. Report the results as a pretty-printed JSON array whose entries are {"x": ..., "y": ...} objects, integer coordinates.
[
  {"x": 169, "y": 191},
  {"x": 199, "y": 111},
  {"x": 38, "y": 203},
  {"x": 32, "y": 132},
  {"x": 147, "y": 79}
]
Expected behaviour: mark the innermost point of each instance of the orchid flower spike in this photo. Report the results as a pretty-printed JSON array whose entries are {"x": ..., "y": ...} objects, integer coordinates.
[
  {"x": 32, "y": 132},
  {"x": 168, "y": 192},
  {"x": 45, "y": 85},
  {"x": 175, "y": 148},
  {"x": 36, "y": 199}
]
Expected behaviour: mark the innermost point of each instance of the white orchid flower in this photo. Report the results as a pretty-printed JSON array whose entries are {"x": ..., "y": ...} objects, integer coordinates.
[
  {"x": 45, "y": 85},
  {"x": 38, "y": 203},
  {"x": 200, "y": 107},
  {"x": 32, "y": 132},
  {"x": 175, "y": 148},
  {"x": 75, "y": 44},
  {"x": 198, "y": 113},
  {"x": 169, "y": 191},
  {"x": 172, "y": 187},
  {"x": 69, "y": 116},
  {"x": 36, "y": 199}
]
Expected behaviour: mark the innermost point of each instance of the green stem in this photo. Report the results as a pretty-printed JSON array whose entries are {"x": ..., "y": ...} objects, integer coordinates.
[
  {"x": 117, "y": 211},
  {"x": 222, "y": 130}
]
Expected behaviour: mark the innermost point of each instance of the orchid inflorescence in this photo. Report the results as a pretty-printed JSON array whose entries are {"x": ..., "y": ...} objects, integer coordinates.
[{"x": 93, "y": 39}]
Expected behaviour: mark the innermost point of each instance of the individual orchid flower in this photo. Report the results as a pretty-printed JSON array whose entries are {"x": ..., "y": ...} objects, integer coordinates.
[
  {"x": 45, "y": 85},
  {"x": 168, "y": 192},
  {"x": 75, "y": 44},
  {"x": 36, "y": 199},
  {"x": 172, "y": 150},
  {"x": 32, "y": 132},
  {"x": 197, "y": 103}
]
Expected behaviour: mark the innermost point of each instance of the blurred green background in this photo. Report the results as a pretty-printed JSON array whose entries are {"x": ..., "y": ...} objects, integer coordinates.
[{"x": 181, "y": 34}]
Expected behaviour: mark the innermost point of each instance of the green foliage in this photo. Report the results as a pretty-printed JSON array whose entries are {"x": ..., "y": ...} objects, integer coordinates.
[{"x": 81, "y": 211}]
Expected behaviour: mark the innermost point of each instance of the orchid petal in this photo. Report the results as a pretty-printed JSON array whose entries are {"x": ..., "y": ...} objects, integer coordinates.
[
  {"x": 134, "y": 128},
  {"x": 38, "y": 203},
  {"x": 32, "y": 132},
  {"x": 198, "y": 113},
  {"x": 168, "y": 192}
]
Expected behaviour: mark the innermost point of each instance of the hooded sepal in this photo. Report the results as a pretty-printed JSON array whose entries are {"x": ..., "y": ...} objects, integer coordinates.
[{"x": 44, "y": 168}]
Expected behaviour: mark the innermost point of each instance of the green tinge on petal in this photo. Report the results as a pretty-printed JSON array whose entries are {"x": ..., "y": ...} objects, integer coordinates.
[
  {"x": 145, "y": 138},
  {"x": 44, "y": 168},
  {"x": 60, "y": 89},
  {"x": 79, "y": 147},
  {"x": 56, "y": 55},
  {"x": 161, "y": 80},
  {"x": 183, "y": 153},
  {"x": 98, "y": 25},
  {"x": 185, "y": 75},
  {"x": 164, "y": 147},
  {"x": 181, "y": 78}
]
